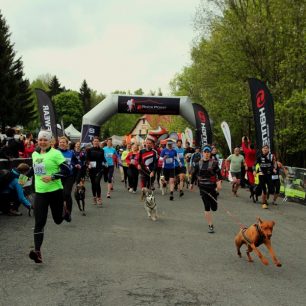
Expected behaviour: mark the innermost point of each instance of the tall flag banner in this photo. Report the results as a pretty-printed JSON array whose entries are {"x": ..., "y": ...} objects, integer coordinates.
[
  {"x": 189, "y": 136},
  {"x": 263, "y": 111},
  {"x": 46, "y": 112},
  {"x": 227, "y": 134},
  {"x": 203, "y": 127}
]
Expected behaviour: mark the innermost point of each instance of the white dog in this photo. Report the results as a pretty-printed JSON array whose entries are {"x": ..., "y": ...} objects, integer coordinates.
[
  {"x": 150, "y": 205},
  {"x": 163, "y": 185}
]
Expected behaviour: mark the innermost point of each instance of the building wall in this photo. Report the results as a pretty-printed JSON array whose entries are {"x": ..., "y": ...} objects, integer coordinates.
[{"x": 142, "y": 127}]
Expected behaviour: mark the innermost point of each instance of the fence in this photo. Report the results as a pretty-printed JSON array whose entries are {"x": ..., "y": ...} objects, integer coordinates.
[{"x": 293, "y": 185}]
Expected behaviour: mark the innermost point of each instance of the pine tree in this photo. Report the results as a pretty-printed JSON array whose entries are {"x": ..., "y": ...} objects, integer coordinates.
[
  {"x": 13, "y": 102},
  {"x": 55, "y": 87},
  {"x": 85, "y": 96},
  {"x": 27, "y": 109}
]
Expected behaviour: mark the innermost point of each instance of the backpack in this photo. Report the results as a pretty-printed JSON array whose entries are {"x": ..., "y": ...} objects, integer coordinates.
[{"x": 5, "y": 178}]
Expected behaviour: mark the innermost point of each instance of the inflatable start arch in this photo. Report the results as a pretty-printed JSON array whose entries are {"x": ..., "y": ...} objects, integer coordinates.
[{"x": 194, "y": 113}]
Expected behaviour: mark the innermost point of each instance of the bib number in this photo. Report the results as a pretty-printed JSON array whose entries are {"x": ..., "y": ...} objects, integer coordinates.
[
  {"x": 39, "y": 169},
  {"x": 93, "y": 164},
  {"x": 275, "y": 177},
  {"x": 169, "y": 160}
]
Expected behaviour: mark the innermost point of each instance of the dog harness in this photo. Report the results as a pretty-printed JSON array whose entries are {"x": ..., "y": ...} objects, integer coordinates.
[{"x": 260, "y": 239}]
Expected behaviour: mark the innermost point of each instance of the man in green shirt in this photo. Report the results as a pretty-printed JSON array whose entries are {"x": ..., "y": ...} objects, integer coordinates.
[{"x": 234, "y": 163}]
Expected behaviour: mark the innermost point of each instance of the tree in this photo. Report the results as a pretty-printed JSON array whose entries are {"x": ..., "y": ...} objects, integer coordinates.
[
  {"x": 14, "y": 90},
  {"x": 54, "y": 87},
  {"x": 241, "y": 39},
  {"x": 139, "y": 92},
  {"x": 68, "y": 107},
  {"x": 85, "y": 95}
]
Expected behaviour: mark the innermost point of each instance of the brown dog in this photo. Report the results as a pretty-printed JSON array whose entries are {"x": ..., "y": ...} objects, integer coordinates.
[{"x": 254, "y": 236}]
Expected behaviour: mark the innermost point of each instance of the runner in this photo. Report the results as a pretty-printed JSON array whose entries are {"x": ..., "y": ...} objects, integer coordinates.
[
  {"x": 278, "y": 166},
  {"x": 209, "y": 177},
  {"x": 124, "y": 164},
  {"x": 73, "y": 164},
  {"x": 147, "y": 165},
  {"x": 234, "y": 163},
  {"x": 180, "y": 170},
  {"x": 170, "y": 156},
  {"x": 194, "y": 159},
  {"x": 265, "y": 171},
  {"x": 95, "y": 160},
  {"x": 49, "y": 167},
  {"x": 109, "y": 153},
  {"x": 132, "y": 160}
]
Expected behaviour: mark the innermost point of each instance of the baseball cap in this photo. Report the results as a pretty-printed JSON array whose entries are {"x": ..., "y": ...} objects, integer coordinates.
[{"x": 207, "y": 148}]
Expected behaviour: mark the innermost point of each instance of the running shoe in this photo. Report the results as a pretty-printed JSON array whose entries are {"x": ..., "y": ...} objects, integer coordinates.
[
  {"x": 211, "y": 229},
  {"x": 264, "y": 206},
  {"x": 36, "y": 256},
  {"x": 181, "y": 193},
  {"x": 108, "y": 195},
  {"x": 94, "y": 202},
  {"x": 171, "y": 197},
  {"x": 131, "y": 190},
  {"x": 99, "y": 201}
]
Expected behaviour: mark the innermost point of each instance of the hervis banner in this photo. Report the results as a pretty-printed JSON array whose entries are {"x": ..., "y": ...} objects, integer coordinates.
[
  {"x": 263, "y": 112},
  {"x": 46, "y": 112},
  {"x": 203, "y": 127}
]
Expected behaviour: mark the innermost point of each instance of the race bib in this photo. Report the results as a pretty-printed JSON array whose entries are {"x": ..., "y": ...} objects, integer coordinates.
[
  {"x": 39, "y": 169},
  {"x": 169, "y": 160},
  {"x": 275, "y": 177},
  {"x": 161, "y": 159},
  {"x": 180, "y": 155},
  {"x": 93, "y": 164},
  {"x": 110, "y": 155}
]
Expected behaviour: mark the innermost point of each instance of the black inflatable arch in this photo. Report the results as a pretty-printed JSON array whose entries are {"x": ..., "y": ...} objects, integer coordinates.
[{"x": 194, "y": 113}]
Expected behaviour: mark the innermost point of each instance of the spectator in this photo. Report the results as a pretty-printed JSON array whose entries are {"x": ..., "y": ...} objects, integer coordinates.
[
  {"x": 12, "y": 192},
  {"x": 10, "y": 147}
]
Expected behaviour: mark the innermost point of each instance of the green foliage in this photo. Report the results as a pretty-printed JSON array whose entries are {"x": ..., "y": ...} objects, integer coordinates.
[
  {"x": 241, "y": 39},
  {"x": 54, "y": 87},
  {"x": 15, "y": 98},
  {"x": 68, "y": 107},
  {"x": 85, "y": 96}
]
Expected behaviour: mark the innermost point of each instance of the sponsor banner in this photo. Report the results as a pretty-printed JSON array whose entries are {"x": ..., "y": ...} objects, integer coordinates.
[
  {"x": 88, "y": 133},
  {"x": 152, "y": 105},
  {"x": 263, "y": 111},
  {"x": 227, "y": 134},
  {"x": 46, "y": 112},
  {"x": 293, "y": 184},
  {"x": 203, "y": 127}
]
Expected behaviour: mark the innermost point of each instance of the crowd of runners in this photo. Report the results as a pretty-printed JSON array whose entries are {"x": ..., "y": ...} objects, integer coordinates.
[{"x": 59, "y": 168}]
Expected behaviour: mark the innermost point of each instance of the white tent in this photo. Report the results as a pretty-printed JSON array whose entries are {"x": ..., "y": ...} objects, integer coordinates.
[
  {"x": 117, "y": 140},
  {"x": 73, "y": 133}
]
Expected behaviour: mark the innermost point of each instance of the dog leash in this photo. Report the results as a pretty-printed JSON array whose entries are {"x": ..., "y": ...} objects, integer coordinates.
[{"x": 236, "y": 220}]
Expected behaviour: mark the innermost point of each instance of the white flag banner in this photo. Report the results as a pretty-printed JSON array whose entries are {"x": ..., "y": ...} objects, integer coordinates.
[
  {"x": 227, "y": 134},
  {"x": 189, "y": 136},
  {"x": 183, "y": 140}
]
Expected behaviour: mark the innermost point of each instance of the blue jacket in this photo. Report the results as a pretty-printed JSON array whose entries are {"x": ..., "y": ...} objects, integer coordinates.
[{"x": 15, "y": 186}]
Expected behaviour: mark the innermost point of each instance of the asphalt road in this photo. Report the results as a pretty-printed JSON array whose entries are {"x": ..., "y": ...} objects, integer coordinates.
[{"x": 116, "y": 256}]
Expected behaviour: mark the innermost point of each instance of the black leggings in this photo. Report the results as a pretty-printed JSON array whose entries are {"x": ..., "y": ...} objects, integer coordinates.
[
  {"x": 95, "y": 179},
  {"x": 264, "y": 181},
  {"x": 68, "y": 184},
  {"x": 125, "y": 172},
  {"x": 42, "y": 201},
  {"x": 133, "y": 177}
]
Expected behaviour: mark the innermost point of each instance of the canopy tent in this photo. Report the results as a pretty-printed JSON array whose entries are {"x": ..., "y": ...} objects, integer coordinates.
[
  {"x": 72, "y": 133},
  {"x": 117, "y": 140}
]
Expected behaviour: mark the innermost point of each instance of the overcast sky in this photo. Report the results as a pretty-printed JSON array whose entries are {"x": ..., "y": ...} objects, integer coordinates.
[{"x": 115, "y": 44}]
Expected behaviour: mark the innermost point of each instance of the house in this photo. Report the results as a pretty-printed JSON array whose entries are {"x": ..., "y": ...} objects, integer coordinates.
[{"x": 141, "y": 127}]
